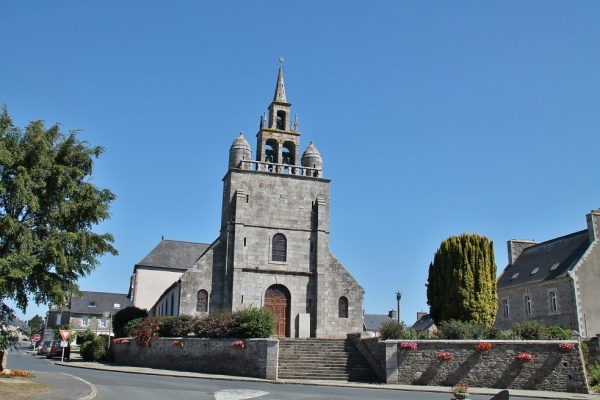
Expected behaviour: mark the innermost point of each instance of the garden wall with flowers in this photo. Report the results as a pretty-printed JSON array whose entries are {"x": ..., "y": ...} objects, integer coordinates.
[
  {"x": 248, "y": 357},
  {"x": 530, "y": 365}
]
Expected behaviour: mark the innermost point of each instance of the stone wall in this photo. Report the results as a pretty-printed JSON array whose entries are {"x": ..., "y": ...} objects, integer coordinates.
[
  {"x": 213, "y": 356},
  {"x": 552, "y": 369}
]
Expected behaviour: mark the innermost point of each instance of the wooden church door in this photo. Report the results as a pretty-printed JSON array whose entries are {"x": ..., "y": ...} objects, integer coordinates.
[{"x": 277, "y": 301}]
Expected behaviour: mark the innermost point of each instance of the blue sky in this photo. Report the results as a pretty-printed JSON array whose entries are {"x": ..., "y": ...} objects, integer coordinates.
[{"x": 433, "y": 118}]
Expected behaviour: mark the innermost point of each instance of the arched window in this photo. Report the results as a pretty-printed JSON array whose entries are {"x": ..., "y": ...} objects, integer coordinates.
[
  {"x": 202, "y": 301},
  {"x": 279, "y": 248},
  {"x": 343, "y": 307}
]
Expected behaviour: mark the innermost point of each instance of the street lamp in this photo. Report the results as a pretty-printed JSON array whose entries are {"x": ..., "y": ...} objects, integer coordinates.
[{"x": 398, "y": 297}]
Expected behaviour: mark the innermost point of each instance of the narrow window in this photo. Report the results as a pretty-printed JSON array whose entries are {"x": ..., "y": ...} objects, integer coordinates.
[
  {"x": 279, "y": 248},
  {"x": 172, "y": 304},
  {"x": 343, "y": 307},
  {"x": 85, "y": 320},
  {"x": 553, "y": 302},
  {"x": 102, "y": 321},
  {"x": 202, "y": 301},
  {"x": 281, "y": 122},
  {"x": 506, "y": 309},
  {"x": 244, "y": 242},
  {"x": 528, "y": 305}
]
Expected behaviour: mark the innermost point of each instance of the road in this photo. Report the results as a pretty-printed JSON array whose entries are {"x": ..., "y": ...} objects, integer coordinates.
[{"x": 117, "y": 385}]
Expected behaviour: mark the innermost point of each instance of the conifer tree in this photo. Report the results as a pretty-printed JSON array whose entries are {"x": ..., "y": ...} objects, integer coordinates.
[{"x": 462, "y": 281}]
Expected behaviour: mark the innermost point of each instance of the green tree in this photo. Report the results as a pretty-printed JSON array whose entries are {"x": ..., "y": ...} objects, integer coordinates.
[
  {"x": 48, "y": 207},
  {"x": 36, "y": 323},
  {"x": 462, "y": 281},
  {"x": 122, "y": 317}
]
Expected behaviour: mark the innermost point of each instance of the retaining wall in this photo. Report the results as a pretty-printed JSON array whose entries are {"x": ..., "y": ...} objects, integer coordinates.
[
  {"x": 552, "y": 368},
  {"x": 214, "y": 356}
]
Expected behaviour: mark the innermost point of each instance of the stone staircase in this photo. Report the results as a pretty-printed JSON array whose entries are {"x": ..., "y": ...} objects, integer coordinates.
[{"x": 323, "y": 359}]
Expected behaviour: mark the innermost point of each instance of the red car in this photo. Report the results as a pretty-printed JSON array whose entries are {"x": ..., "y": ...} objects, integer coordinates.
[{"x": 54, "y": 350}]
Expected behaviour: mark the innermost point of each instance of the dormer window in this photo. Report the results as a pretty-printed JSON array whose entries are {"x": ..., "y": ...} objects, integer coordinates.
[
  {"x": 514, "y": 276},
  {"x": 554, "y": 266},
  {"x": 536, "y": 269},
  {"x": 92, "y": 303}
]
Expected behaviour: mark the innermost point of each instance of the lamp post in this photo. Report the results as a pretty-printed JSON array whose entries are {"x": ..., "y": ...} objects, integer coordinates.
[{"x": 398, "y": 297}]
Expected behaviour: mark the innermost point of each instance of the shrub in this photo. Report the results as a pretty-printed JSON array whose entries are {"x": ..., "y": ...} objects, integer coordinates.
[
  {"x": 395, "y": 331},
  {"x": 122, "y": 317},
  {"x": 148, "y": 329},
  {"x": 95, "y": 350},
  {"x": 130, "y": 327},
  {"x": 177, "y": 326},
  {"x": 531, "y": 330},
  {"x": 255, "y": 323},
  {"x": 86, "y": 336},
  {"x": 498, "y": 334},
  {"x": 455, "y": 329},
  {"x": 593, "y": 373},
  {"x": 217, "y": 325},
  {"x": 558, "y": 333}
]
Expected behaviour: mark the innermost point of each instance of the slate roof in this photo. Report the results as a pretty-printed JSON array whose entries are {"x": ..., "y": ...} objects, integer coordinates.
[
  {"x": 423, "y": 324},
  {"x": 173, "y": 254},
  {"x": 565, "y": 251},
  {"x": 104, "y": 302},
  {"x": 372, "y": 322}
]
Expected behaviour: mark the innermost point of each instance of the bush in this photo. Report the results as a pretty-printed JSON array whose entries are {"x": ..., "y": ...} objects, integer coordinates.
[
  {"x": 558, "y": 333},
  {"x": 122, "y": 317},
  {"x": 129, "y": 328},
  {"x": 217, "y": 325},
  {"x": 148, "y": 329},
  {"x": 455, "y": 329},
  {"x": 531, "y": 330},
  {"x": 255, "y": 323},
  {"x": 593, "y": 373},
  {"x": 95, "y": 350},
  {"x": 177, "y": 326},
  {"x": 394, "y": 330},
  {"x": 494, "y": 333},
  {"x": 86, "y": 336}
]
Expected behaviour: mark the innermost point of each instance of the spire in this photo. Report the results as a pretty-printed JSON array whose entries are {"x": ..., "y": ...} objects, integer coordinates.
[{"x": 279, "y": 96}]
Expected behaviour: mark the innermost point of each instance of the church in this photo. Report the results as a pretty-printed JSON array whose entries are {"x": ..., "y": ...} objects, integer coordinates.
[{"x": 273, "y": 247}]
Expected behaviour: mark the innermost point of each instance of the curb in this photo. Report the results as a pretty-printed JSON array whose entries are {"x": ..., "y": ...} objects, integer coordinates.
[{"x": 93, "y": 391}]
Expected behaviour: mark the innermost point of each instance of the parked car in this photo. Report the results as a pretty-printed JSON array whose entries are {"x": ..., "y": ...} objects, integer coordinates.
[
  {"x": 56, "y": 351},
  {"x": 42, "y": 350}
]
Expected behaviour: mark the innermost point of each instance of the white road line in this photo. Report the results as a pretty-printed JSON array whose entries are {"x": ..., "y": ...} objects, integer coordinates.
[{"x": 238, "y": 394}]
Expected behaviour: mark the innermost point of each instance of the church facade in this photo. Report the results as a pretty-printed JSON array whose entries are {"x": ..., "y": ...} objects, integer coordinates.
[{"x": 273, "y": 247}]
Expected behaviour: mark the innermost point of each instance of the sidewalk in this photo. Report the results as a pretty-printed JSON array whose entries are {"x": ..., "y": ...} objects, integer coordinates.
[{"x": 77, "y": 362}]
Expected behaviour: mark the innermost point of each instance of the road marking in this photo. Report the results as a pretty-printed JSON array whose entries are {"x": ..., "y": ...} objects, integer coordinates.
[{"x": 238, "y": 394}]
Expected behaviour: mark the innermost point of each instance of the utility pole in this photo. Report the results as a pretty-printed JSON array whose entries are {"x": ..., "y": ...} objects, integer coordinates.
[{"x": 398, "y": 297}]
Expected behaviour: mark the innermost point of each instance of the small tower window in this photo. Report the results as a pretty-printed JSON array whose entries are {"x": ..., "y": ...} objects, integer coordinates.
[
  {"x": 279, "y": 248},
  {"x": 202, "y": 301},
  {"x": 281, "y": 120},
  {"x": 343, "y": 307}
]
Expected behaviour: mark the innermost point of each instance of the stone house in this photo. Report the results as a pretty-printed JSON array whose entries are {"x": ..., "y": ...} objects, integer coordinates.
[
  {"x": 273, "y": 246},
  {"x": 424, "y": 326},
  {"x": 555, "y": 281},
  {"x": 93, "y": 311}
]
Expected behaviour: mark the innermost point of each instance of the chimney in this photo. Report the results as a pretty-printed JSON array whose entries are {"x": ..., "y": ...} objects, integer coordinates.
[
  {"x": 421, "y": 314},
  {"x": 593, "y": 223},
  {"x": 393, "y": 314},
  {"x": 516, "y": 247}
]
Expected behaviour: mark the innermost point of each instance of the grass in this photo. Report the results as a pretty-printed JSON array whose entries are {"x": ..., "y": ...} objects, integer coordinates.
[{"x": 21, "y": 388}]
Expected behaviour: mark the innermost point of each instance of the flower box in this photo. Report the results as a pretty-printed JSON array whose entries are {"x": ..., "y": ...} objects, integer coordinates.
[
  {"x": 483, "y": 346},
  {"x": 239, "y": 344},
  {"x": 525, "y": 357},
  {"x": 566, "y": 346},
  {"x": 444, "y": 356},
  {"x": 408, "y": 346}
]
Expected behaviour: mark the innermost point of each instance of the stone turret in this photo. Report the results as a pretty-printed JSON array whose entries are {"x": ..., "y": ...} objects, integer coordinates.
[
  {"x": 239, "y": 150},
  {"x": 312, "y": 158}
]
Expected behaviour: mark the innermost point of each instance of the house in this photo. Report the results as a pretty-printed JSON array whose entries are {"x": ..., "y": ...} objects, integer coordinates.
[
  {"x": 555, "y": 281},
  {"x": 94, "y": 311},
  {"x": 372, "y": 322},
  {"x": 425, "y": 327},
  {"x": 273, "y": 246}
]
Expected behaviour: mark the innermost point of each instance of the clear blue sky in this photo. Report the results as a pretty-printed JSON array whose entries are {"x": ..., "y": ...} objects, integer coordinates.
[{"x": 434, "y": 118}]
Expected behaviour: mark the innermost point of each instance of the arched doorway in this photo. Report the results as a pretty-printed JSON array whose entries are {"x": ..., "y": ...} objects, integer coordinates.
[{"x": 277, "y": 300}]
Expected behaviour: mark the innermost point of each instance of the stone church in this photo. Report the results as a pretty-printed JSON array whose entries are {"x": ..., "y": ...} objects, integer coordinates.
[{"x": 273, "y": 247}]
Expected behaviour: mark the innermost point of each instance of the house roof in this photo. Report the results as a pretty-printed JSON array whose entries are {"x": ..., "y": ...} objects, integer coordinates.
[
  {"x": 173, "y": 254},
  {"x": 423, "y": 324},
  {"x": 373, "y": 322},
  {"x": 104, "y": 302},
  {"x": 545, "y": 261}
]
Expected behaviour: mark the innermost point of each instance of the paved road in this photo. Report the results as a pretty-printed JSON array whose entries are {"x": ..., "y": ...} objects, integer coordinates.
[{"x": 132, "y": 386}]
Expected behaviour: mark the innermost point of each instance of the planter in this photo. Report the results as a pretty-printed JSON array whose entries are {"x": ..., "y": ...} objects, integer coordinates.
[{"x": 461, "y": 395}]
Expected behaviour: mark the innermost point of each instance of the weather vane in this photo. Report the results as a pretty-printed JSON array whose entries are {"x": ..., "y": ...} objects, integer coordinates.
[{"x": 281, "y": 60}]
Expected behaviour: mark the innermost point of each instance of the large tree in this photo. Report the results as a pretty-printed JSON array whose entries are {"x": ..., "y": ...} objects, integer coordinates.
[
  {"x": 36, "y": 323},
  {"x": 48, "y": 208},
  {"x": 462, "y": 280}
]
